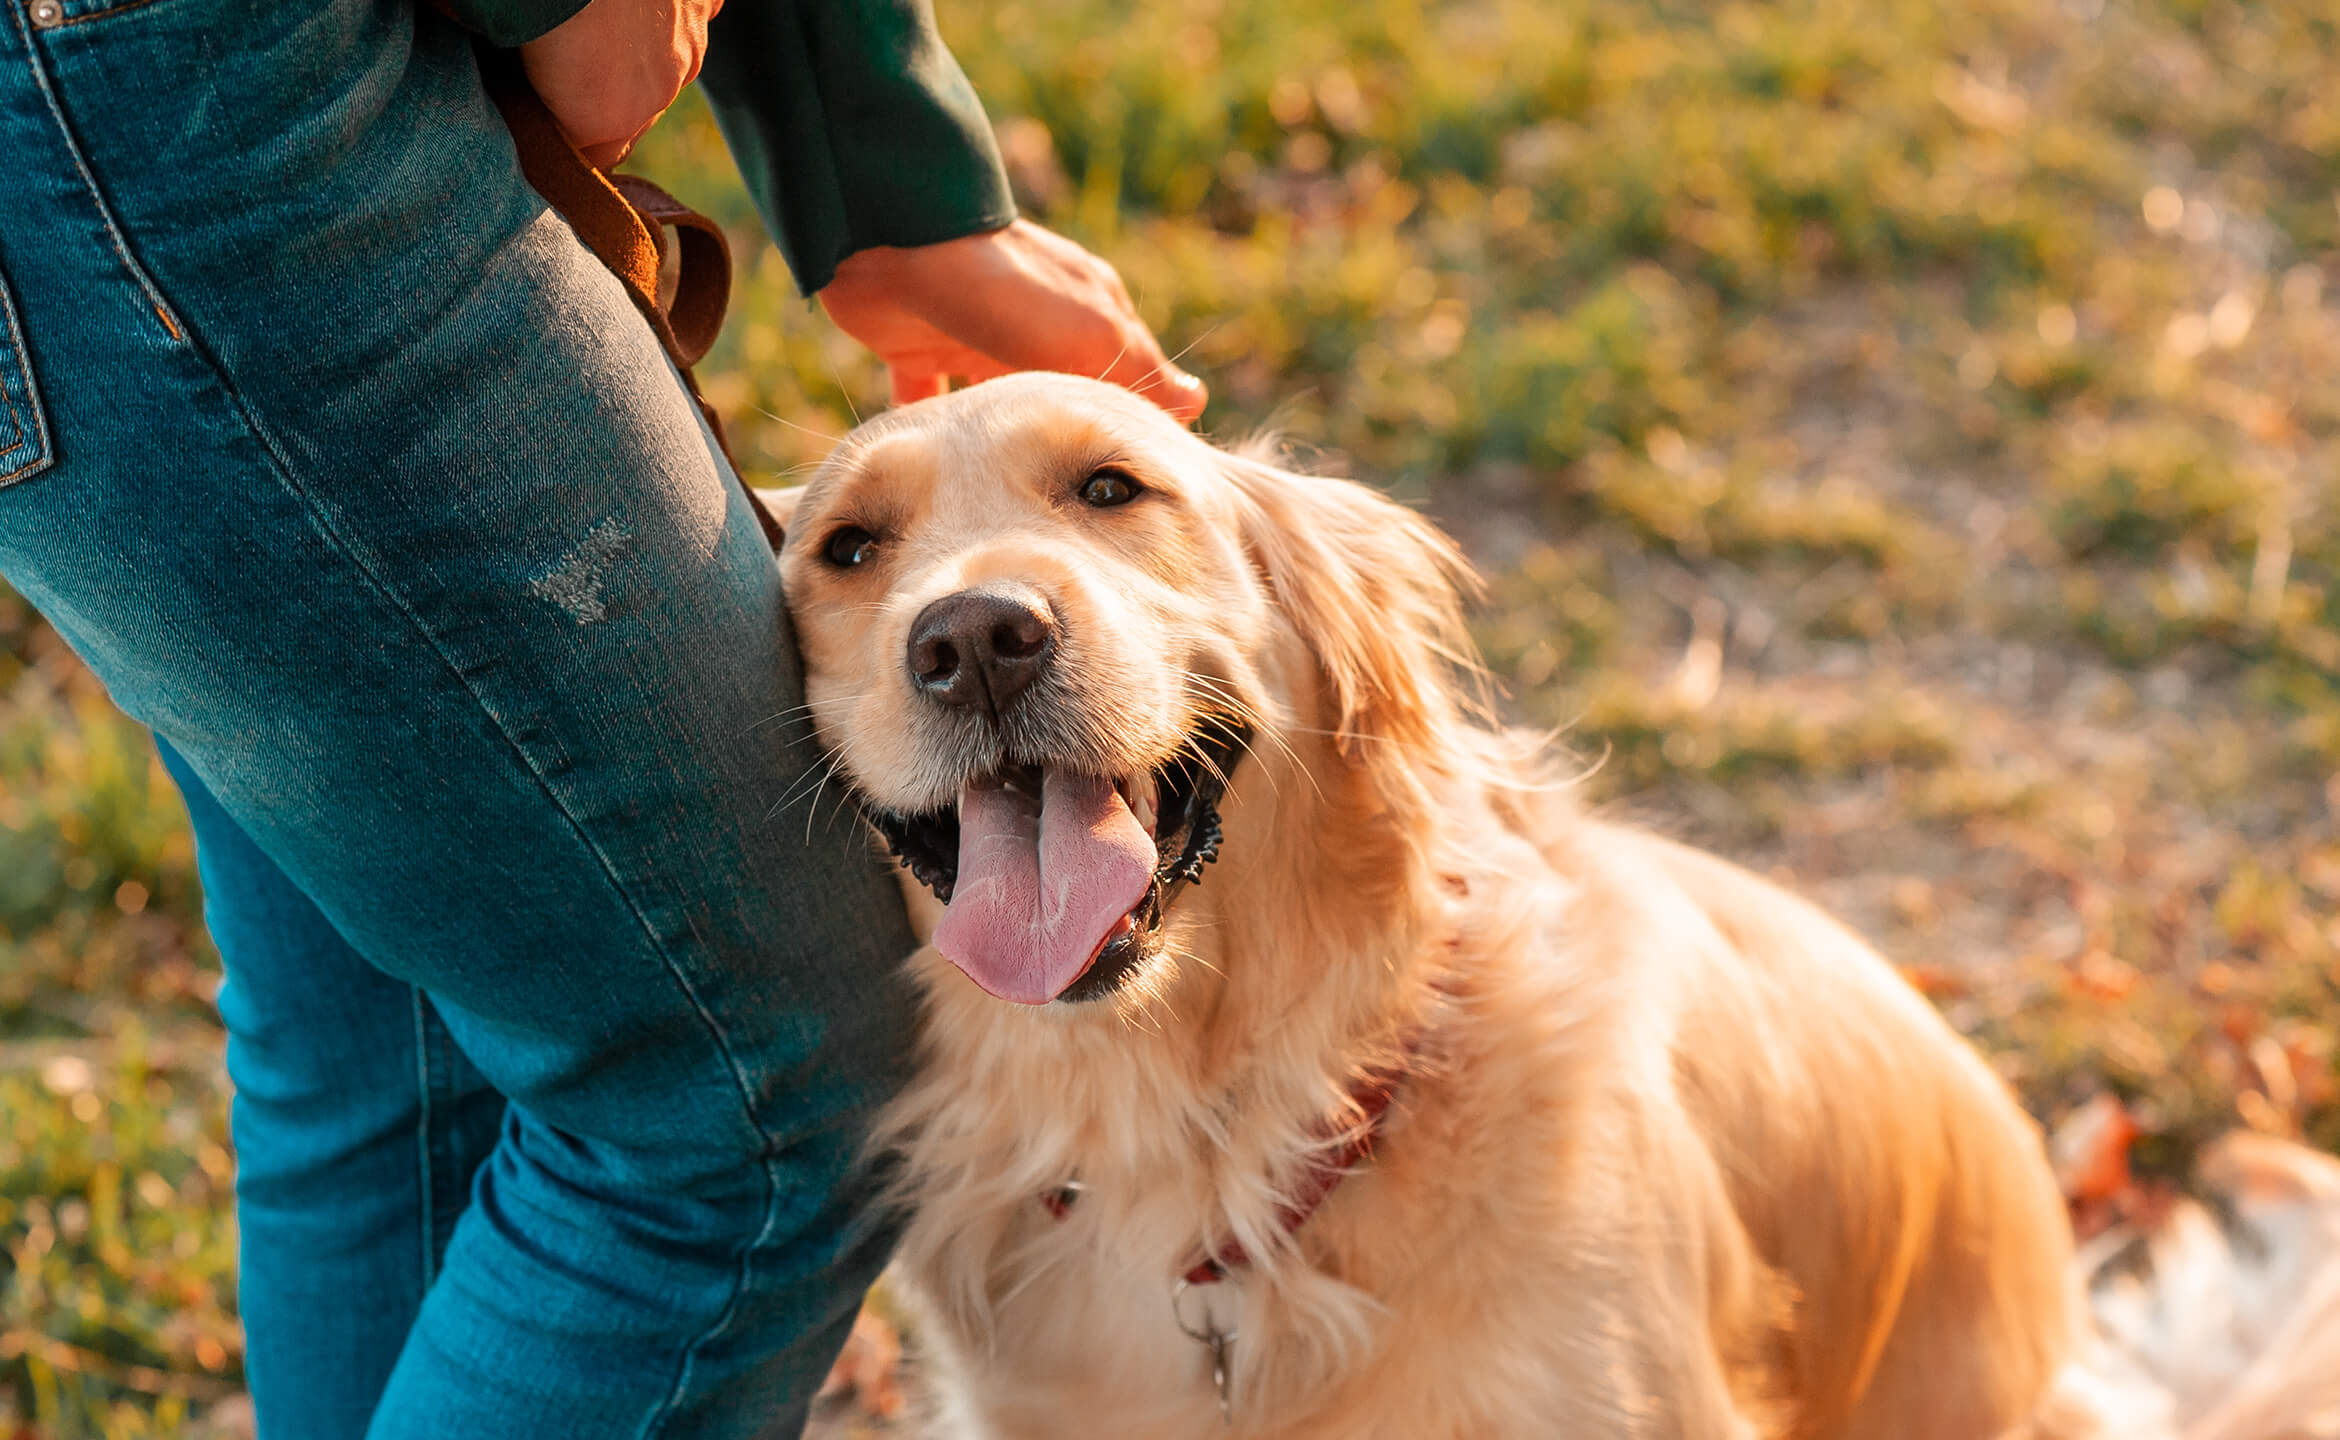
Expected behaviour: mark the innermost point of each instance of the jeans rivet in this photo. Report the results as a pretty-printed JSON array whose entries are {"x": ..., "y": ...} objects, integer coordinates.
[{"x": 46, "y": 13}]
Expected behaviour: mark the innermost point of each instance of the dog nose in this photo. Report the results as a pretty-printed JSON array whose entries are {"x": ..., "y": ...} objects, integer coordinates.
[{"x": 980, "y": 648}]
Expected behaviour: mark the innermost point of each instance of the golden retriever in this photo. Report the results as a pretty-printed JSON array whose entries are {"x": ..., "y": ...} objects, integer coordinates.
[{"x": 1298, "y": 1059}]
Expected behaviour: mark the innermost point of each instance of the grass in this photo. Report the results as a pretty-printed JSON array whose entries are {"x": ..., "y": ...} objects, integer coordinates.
[{"x": 1899, "y": 436}]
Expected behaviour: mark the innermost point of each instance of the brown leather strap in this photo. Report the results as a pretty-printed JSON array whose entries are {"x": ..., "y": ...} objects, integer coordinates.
[
  {"x": 702, "y": 288},
  {"x": 637, "y": 230}
]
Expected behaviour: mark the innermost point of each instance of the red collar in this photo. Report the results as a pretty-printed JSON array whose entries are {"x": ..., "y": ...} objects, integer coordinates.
[{"x": 1372, "y": 1095}]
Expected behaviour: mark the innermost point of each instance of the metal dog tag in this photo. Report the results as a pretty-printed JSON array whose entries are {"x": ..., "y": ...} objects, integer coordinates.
[{"x": 1219, "y": 1342}]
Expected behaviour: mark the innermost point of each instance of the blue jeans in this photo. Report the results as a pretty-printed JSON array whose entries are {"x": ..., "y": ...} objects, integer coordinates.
[{"x": 557, "y": 987}]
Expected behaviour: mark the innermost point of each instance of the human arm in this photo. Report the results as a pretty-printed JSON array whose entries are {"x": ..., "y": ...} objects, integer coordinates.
[{"x": 874, "y": 166}]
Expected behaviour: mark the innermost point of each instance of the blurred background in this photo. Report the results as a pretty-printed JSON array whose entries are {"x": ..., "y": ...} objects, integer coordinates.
[{"x": 1901, "y": 439}]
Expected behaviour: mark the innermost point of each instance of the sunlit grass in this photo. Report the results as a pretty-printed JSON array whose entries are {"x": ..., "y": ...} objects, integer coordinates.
[{"x": 1901, "y": 436}]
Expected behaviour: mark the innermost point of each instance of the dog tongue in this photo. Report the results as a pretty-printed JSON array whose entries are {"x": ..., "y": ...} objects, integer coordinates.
[{"x": 1041, "y": 885}]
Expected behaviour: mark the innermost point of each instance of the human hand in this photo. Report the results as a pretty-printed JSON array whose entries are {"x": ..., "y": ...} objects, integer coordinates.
[
  {"x": 610, "y": 70},
  {"x": 1018, "y": 298}
]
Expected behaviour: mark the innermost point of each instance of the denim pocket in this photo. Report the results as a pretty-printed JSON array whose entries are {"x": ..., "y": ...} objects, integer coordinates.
[{"x": 24, "y": 434}]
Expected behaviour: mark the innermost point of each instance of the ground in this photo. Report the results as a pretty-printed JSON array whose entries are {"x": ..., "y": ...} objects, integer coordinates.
[{"x": 1898, "y": 436}]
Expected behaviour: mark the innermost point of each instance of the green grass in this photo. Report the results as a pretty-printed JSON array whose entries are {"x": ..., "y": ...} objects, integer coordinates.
[{"x": 1900, "y": 436}]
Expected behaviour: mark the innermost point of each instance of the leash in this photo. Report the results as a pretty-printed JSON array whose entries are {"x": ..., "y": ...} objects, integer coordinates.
[{"x": 639, "y": 233}]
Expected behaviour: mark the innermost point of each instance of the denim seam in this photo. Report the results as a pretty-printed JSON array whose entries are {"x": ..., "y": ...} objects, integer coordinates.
[
  {"x": 282, "y": 467},
  {"x": 39, "y": 439},
  {"x": 72, "y": 20},
  {"x": 15, "y": 436},
  {"x": 731, "y": 1306},
  {"x": 14, "y": 439},
  {"x": 770, "y": 1165},
  {"x": 422, "y": 1137},
  {"x": 39, "y": 61},
  {"x": 36, "y": 446},
  {"x": 444, "y": 1064},
  {"x": 714, "y": 1028}
]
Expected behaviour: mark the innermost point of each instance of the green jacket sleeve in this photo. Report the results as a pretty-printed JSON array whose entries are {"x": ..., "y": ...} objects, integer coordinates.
[
  {"x": 851, "y": 123},
  {"x": 853, "y": 127},
  {"x": 510, "y": 22}
]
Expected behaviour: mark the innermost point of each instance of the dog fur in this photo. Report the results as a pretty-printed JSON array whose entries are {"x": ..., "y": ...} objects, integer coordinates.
[{"x": 1676, "y": 1155}]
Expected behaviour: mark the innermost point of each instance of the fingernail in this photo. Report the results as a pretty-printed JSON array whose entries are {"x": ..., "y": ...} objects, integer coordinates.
[{"x": 1190, "y": 391}]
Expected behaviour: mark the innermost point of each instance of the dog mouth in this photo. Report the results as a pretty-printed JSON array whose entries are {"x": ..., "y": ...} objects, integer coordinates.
[{"x": 1056, "y": 883}]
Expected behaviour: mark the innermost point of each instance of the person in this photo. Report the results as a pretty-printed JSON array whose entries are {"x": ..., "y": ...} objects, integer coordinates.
[{"x": 556, "y": 991}]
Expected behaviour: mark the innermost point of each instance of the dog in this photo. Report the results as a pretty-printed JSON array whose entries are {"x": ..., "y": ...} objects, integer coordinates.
[{"x": 1299, "y": 1057}]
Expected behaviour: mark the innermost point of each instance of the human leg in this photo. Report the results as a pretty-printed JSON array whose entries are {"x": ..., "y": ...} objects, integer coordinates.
[
  {"x": 358, "y": 1126},
  {"x": 376, "y": 500}
]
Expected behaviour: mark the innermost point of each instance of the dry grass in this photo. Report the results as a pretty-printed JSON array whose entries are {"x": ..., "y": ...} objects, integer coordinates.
[{"x": 1900, "y": 435}]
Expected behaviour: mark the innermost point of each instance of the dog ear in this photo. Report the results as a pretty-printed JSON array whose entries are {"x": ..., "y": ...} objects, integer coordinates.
[
  {"x": 1376, "y": 593},
  {"x": 782, "y": 503}
]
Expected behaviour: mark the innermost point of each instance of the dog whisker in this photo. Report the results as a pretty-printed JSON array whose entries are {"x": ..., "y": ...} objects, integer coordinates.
[
  {"x": 820, "y": 775},
  {"x": 1216, "y": 692},
  {"x": 842, "y": 393},
  {"x": 844, "y": 794},
  {"x": 1215, "y": 327},
  {"x": 1216, "y": 700},
  {"x": 781, "y": 716},
  {"x": 807, "y": 429},
  {"x": 1116, "y": 360},
  {"x": 776, "y": 717},
  {"x": 1195, "y": 957},
  {"x": 1137, "y": 1010},
  {"x": 799, "y": 742},
  {"x": 809, "y": 785}
]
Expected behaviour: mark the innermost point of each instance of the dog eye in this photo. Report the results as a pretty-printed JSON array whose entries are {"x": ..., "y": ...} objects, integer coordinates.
[
  {"x": 850, "y": 546},
  {"x": 1108, "y": 488}
]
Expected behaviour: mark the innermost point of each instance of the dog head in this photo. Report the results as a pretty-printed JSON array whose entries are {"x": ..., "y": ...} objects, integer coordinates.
[{"x": 1046, "y": 631}]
